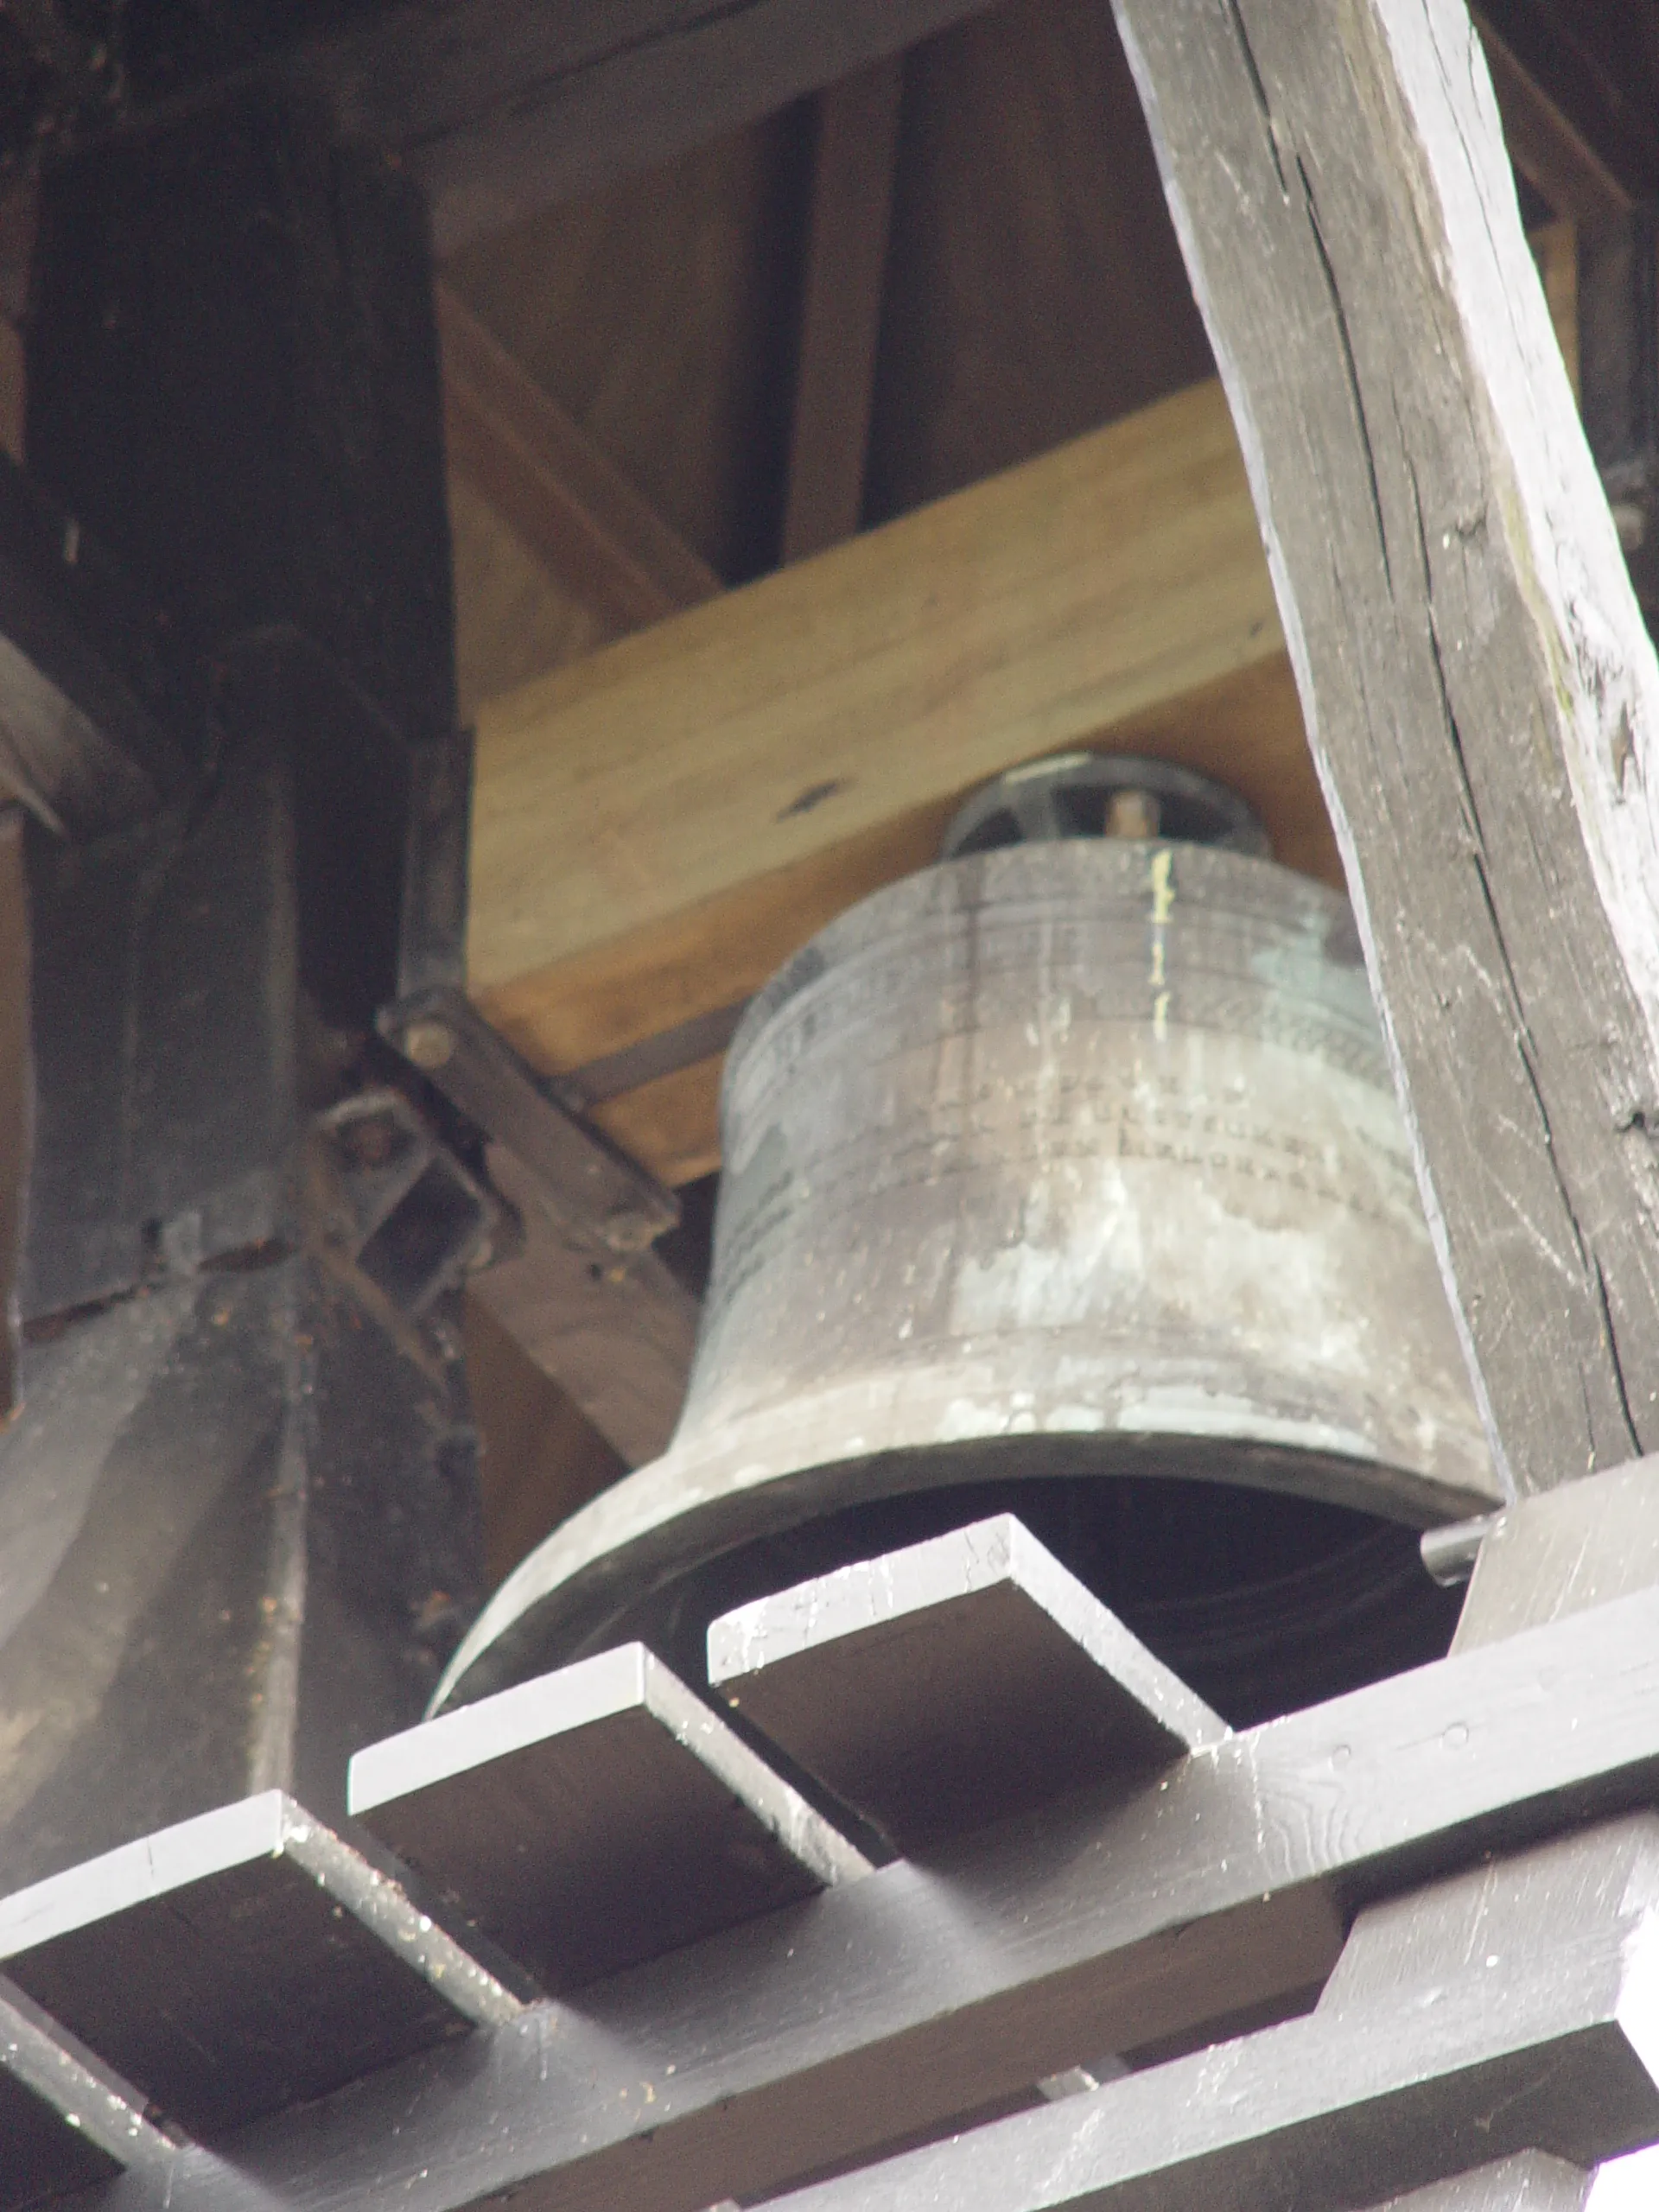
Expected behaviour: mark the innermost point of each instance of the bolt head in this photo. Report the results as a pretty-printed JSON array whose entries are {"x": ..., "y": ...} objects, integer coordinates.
[{"x": 430, "y": 1044}]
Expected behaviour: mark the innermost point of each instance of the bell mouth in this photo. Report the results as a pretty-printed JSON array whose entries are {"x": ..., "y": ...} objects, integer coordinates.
[
  {"x": 1269, "y": 1577},
  {"x": 1263, "y": 1603}
]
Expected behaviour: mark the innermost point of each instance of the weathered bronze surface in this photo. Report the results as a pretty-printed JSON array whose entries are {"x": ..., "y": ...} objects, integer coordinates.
[{"x": 1071, "y": 1160}]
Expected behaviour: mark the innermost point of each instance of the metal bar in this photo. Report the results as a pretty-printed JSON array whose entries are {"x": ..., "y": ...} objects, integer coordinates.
[
  {"x": 584, "y": 1178},
  {"x": 615, "y": 1074}
]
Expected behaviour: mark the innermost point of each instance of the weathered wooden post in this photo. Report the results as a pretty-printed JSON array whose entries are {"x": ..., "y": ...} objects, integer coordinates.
[{"x": 1480, "y": 692}]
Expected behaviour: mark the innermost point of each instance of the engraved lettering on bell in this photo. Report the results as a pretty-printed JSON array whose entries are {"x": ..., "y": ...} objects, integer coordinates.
[{"x": 1065, "y": 1178}]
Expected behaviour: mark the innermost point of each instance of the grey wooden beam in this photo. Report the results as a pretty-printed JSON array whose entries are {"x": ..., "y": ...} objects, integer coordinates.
[
  {"x": 1546, "y": 1557},
  {"x": 1427, "y": 2060},
  {"x": 954, "y": 1683},
  {"x": 917, "y": 1995},
  {"x": 595, "y": 1817},
  {"x": 241, "y": 1961},
  {"x": 1481, "y": 694},
  {"x": 1530, "y": 2182},
  {"x": 65, "y": 2122}
]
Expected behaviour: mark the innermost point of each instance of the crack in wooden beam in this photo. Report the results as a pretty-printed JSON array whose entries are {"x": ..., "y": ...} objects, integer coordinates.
[{"x": 1480, "y": 684}]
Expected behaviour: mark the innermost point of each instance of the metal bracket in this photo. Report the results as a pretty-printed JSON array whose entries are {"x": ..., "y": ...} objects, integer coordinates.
[
  {"x": 587, "y": 1183},
  {"x": 394, "y": 1216}
]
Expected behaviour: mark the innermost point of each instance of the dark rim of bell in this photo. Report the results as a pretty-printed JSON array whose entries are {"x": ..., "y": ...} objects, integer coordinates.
[{"x": 1116, "y": 795}]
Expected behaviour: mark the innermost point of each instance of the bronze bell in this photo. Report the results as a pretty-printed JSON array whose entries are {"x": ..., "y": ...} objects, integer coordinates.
[{"x": 1065, "y": 1178}]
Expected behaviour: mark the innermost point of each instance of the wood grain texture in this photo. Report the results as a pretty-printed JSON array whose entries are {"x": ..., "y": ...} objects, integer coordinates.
[
  {"x": 240, "y": 1961},
  {"x": 512, "y": 621},
  {"x": 1480, "y": 691},
  {"x": 1035, "y": 286},
  {"x": 852, "y": 168},
  {"x": 954, "y": 1683},
  {"x": 628, "y": 810},
  {"x": 659, "y": 316},
  {"x": 595, "y": 1817},
  {"x": 1514, "y": 2040},
  {"x": 924, "y": 1993},
  {"x": 539, "y": 469}
]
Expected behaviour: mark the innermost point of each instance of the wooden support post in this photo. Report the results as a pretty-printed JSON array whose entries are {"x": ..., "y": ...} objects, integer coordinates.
[
  {"x": 841, "y": 315},
  {"x": 1481, "y": 696}
]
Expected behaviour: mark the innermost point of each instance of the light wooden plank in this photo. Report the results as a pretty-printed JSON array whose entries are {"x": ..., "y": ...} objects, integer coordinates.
[
  {"x": 647, "y": 819},
  {"x": 1481, "y": 689}
]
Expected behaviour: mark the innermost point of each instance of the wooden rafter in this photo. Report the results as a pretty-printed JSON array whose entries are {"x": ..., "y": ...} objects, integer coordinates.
[
  {"x": 846, "y": 251},
  {"x": 1574, "y": 84},
  {"x": 545, "y": 477},
  {"x": 1557, "y": 159},
  {"x": 1481, "y": 694}
]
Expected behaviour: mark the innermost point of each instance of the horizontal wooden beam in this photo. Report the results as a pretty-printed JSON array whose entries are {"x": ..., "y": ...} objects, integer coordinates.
[
  {"x": 899, "y": 2003},
  {"x": 1541, "y": 2043},
  {"x": 657, "y": 827},
  {"x": 660, "y": 825}
]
